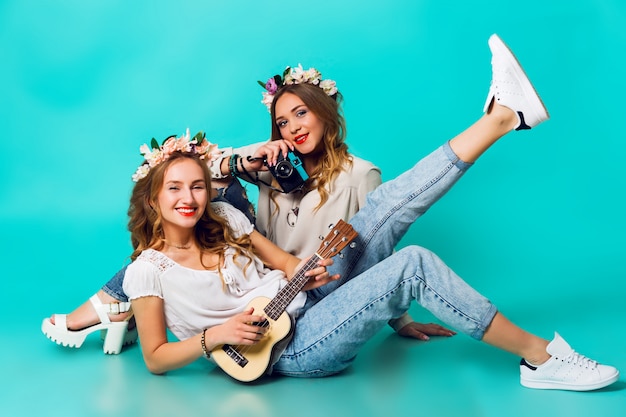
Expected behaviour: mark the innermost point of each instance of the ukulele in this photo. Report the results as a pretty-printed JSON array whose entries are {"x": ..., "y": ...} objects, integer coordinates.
[{"x": 248, "y": 363}]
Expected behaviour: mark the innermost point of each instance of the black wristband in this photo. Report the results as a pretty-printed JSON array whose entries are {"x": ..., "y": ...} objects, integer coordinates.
[{"x": 245, "y": 171}]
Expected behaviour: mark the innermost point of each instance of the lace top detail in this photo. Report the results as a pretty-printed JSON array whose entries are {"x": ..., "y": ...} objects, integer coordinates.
[{"x": 160, "y": 261}]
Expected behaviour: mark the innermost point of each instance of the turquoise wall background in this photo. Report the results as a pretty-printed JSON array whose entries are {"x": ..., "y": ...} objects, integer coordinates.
[
  {"x": 539, "y": 221},
  {"x": 85, "y": 83}
]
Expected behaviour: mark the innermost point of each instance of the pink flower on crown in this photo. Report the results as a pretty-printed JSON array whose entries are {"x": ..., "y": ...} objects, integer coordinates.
[
  {"x": 208, "y": 149},
  {"x": 168, "y": 147},
  {"x": 271, "y": 86},
  {"x": 154, "y": 156}
]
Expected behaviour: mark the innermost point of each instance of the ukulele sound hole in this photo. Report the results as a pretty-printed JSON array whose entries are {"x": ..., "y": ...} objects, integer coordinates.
[{"x": 263, "y": 323}]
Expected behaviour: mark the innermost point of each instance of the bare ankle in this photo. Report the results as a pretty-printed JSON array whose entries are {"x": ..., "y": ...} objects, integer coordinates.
[
  {"x": 503, "y": 116},
  {"x": 539, "y": 355},
  {"x": 114, "y": 314},
  {"x": 85, "y": 315}
]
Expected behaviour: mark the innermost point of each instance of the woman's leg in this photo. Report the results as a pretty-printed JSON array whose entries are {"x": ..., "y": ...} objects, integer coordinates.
[
  {"x": 505, "y": 335},
  {"x": 111, "y": 293},
  {"x": 512, "y": 104},
  {"x": 329, "y": 335},
  {"x": 470, "y": 144},
  {"x": 389, "y": 211}
]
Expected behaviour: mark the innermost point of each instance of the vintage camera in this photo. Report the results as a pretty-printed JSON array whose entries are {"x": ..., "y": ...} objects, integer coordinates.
[{"x": 288, "y": 172}]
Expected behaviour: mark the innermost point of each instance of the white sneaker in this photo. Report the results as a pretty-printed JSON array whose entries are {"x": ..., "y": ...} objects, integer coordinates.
[
  {"x": 566, "y": 370},
  {"x": 510, "y": 87}
]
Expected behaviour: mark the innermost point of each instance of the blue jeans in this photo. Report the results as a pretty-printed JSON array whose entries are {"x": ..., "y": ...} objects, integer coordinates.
[
  {"x": 378, "y": 284},
  {"x": 234, "y": 194}
]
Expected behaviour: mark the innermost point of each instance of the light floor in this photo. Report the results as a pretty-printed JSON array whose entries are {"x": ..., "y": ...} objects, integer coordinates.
[{"x": 392, "y": 376}]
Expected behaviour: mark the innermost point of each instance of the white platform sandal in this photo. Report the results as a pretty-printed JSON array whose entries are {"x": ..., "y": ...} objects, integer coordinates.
[{"x": 114, "y": 334}]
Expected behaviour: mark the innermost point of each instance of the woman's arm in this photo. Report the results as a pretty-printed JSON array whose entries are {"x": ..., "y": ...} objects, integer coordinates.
[
  {"x": 276, "y": 258},
  {"x": 161, "y": 356},
  {"x": 273, "y": 256},
  {"x": 221, "y": 168}
]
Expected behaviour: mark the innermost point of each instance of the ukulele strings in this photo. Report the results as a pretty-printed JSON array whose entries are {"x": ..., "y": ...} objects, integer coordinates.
[
  {"x": 271, "y": 309},
  {"x": 325, "y": 251}
]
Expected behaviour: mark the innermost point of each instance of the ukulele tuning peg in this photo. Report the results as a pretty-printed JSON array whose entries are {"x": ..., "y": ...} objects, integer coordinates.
[
  {"x": 330, "y": 226},
  {"x": 341, "y": 255},
  {"x": 321, "y": 237},
  {"x": 353, "y": 245}
]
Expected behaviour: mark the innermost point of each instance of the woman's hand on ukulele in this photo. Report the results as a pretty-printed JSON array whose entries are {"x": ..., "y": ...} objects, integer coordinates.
[
  {"x": 245, "y": 328},
  {"x": 319, "y": 276}
]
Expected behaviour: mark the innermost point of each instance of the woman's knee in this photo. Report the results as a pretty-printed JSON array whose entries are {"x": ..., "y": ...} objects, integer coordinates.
[{"x": 415, "y": 253}]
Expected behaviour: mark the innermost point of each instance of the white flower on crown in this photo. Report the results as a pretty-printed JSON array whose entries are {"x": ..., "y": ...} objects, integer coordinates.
[
  {"x": 141, "y": 172},
  {"x": 329, "y": 87},
  {"x": 267, "y": 99}
]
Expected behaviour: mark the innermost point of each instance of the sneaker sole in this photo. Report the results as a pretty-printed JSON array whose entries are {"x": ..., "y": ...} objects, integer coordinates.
[
  {"x": 529, "y": 383},
  {"x": 541, "y": 112}
]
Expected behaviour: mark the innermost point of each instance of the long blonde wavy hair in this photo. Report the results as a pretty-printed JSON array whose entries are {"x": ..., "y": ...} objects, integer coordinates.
[
  {"x": 212, "y": 232},
  {"x": 328, "y": 110}
]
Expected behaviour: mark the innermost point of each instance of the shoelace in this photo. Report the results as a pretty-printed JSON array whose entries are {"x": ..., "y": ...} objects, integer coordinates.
[{"x": 580, "y": 360}]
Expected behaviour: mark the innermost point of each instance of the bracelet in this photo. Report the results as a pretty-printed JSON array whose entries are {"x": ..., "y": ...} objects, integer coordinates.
[
  {"x": 232, "y": 165},
  {"x": 203, "y": 344}
]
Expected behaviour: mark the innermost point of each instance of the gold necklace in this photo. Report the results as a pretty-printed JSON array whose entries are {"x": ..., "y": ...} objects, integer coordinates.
[{"x": 178, "y": 246}]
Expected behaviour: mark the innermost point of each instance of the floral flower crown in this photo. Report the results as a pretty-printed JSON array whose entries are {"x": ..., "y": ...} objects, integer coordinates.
[
  {"x": 157, "y": 154},
  {"x": 296, "y": 75}
]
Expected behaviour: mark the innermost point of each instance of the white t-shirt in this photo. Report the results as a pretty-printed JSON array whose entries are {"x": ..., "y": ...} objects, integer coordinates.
[{"x": 197, "y": 299}]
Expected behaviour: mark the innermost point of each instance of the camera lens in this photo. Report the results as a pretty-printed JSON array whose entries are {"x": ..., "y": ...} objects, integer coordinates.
[{"x": 283, "y": 169}]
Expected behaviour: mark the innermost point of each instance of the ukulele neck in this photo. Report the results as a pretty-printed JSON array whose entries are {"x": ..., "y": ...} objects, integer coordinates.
[{"x": 285, "y": 296}]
